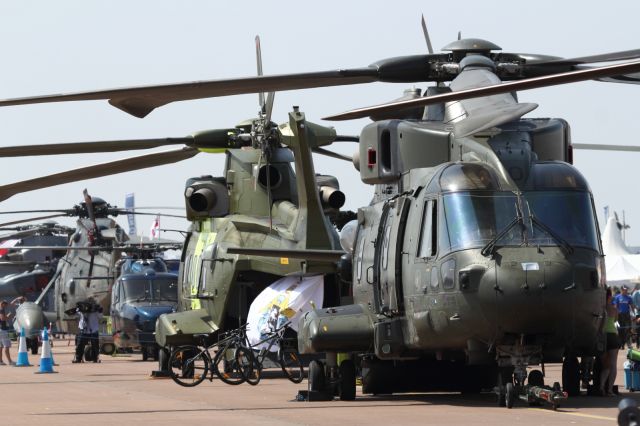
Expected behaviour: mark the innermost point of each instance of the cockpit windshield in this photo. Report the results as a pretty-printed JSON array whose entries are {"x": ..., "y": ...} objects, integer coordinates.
[
  {"x": 136, "y": 266},
  {"x": 153, "y": 290},
  {"x": 473, "y": 219}
]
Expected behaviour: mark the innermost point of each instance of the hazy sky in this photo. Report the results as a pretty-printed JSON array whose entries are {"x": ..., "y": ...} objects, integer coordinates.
[{"x": 68, "y": 46}]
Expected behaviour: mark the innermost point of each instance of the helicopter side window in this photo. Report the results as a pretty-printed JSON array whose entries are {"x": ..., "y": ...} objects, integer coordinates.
[
  {"x": 359, "y": 258},
  {"x": 427, "y": 243},
  {"x": 202, "y": 281},
  {"x": 435, "y": 278},
  {"x": 385, "y": 247},
  {"x": 448, "y": 274},
  {"x": 185, "y": 276},
  {"x": 116, "y": 294}
]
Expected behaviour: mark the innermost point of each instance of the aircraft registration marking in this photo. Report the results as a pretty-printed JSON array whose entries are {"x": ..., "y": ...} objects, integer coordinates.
[{"x": 530, "y": 266}]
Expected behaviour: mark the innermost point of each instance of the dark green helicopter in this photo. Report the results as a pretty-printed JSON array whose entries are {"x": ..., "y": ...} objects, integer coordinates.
[{"x": 478, "y": 256}]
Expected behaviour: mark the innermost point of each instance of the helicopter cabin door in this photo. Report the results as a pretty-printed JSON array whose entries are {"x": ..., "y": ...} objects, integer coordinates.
[{"x": 388, "y": 256}]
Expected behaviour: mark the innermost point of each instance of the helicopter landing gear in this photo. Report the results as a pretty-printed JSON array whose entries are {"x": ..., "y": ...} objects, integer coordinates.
[
  {"x": 347, "y": 380},
  {"x": 316, "y": 376},
  {"x": 534, "y": 392},
  {"x": 328, "y": 379},
  {"x": 571, "y": 376}
]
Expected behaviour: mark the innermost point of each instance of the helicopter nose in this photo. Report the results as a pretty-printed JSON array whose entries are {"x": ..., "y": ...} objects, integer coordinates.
[
  {"x": 559, "y": 299},
  {"x": 29, "y": 316}
]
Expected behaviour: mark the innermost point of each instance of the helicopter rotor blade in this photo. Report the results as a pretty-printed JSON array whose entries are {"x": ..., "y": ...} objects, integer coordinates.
[
  {"x": 89, "y": 203},
  {"x": 425, "y": 31},
  {"x": 99, "y": 170},
  {"x": 600, "y": 147},
  {"x": 624, "y": 55},
  {"x": 210, "y": 140},
  {"x": 269, "y": 108},
  {"x": 125, "y": 211},
  {"x": 505, "y": 87},
  {"x": 91, "y": 147},
  {"x": 259, "y": 64},
  {"x": 61, "y": 211},
  {"x": 332, "y": 154},
  {"x": 140, "y": 101},
  {"x": 32, "y": 219}
]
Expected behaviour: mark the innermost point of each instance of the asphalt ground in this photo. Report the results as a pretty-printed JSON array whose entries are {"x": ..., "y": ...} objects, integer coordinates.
[{"x": 119, "y": 391}]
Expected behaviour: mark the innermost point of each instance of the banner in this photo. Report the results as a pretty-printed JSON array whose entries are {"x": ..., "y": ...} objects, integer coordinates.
[
  {"x": 129, "y": 205},
  {"x": 285, "y": 300}
]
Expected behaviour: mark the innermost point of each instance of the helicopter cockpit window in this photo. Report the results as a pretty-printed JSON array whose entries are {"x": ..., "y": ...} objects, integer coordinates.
[
  {"x": 464, "y": 177},
  {"x": 139, "y": 266},
  {"x": 165, "y": 289},
  {"x": 569, "y": 214},
  {"x": 473, "y": 219},
  {"x": 427, "y": 243},
  {"x": 155, "y": 290},
  {"x": 556, "y": 175}
]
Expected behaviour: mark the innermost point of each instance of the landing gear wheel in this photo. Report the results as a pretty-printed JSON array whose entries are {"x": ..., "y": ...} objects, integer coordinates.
[
  {"x": 163, "y": 359},
  {"x": 108, "y": 348},
  {"x": 89, "y": 354},
  {"x": 316, "y": 376},
  {"x": 347, "y": 380},
  {"x": 502, "y": 397},
  {"x": 145, "y": 354},
  {"x": 571, "y": 376},
  {"x": 536, "y": 378},
  {"x": 510, "y": 395}
]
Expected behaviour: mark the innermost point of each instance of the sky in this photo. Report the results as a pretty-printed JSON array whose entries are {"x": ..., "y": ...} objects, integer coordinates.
[{"x": 71, "y": 46}]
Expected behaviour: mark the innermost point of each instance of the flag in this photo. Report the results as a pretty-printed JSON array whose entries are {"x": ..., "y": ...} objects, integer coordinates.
[
  {"x": 129, "y": 205},
  {"x": 155, "y": 228}
]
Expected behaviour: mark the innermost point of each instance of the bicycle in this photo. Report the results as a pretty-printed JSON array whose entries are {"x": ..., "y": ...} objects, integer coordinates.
[
  {"x": 250, "y": 360},
  {"x": 190, "y": 364}
]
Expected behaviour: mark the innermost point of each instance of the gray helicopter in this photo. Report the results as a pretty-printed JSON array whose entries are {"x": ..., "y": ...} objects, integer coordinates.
[{"x": 86, "y": 270}]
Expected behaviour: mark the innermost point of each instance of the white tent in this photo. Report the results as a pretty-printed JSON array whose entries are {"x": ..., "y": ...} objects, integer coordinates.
[{"x": 622, "y": 265}]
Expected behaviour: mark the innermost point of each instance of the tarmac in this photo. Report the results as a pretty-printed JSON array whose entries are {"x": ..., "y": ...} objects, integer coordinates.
[{"x": 119, "y": 390}]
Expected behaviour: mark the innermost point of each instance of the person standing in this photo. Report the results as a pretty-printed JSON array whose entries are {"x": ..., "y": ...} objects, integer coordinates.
[
  {"x": 5, "y": 342},
  {"x": 89, "y": 327},
  {"x": 635, "y": 296},
  {"x": 610, "y": 358},
  {"x": 623, "y": 303}
]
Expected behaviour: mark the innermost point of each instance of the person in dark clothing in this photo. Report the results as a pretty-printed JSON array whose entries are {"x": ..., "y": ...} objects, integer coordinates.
[{"x": 624, "y": 303}]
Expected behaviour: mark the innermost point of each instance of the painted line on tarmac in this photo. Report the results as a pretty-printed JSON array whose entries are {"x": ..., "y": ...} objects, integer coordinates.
[{"x": 569, "y": 413}]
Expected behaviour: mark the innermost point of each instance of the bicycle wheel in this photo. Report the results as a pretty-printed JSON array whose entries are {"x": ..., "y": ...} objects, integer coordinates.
[
  {"x": 226, "y": 367},
  {"x": 249, "y": 365},
  {"x": 188, "y": 366},
  {"x": 291, "y": 365}
]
